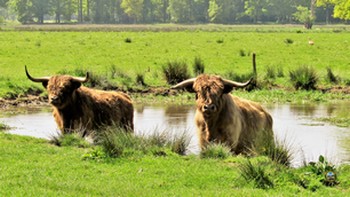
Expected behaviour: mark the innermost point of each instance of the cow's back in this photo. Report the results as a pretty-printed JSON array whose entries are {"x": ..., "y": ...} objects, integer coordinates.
[
  {"x": 109, "y": 107},
  {"x": 256, "y": 121}
]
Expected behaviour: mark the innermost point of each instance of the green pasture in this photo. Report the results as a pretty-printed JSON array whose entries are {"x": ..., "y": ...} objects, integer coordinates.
[
  {"x": 34, "y": 167},
  {"x": 107, "y": 53}
]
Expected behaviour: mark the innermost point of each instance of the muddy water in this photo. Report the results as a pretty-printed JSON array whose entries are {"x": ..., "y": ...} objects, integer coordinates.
[{"x": 295, "y": 125}]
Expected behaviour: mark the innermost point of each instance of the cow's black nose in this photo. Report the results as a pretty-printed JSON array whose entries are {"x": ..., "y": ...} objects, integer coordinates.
[
  {"x": 209, "y": 107},
  {"x": 54, "y": 100}
]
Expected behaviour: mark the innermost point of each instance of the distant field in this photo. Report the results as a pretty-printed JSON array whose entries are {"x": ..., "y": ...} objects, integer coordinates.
[{"x": 222, "y": 49}]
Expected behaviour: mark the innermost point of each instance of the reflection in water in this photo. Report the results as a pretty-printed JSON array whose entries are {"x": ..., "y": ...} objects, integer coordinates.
[{"x": 293, "y": 124}]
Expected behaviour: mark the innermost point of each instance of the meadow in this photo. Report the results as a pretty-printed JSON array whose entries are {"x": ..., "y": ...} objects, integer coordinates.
[
  {"x": 120, "y": 56},
  {"x": 32, "y": 166}
]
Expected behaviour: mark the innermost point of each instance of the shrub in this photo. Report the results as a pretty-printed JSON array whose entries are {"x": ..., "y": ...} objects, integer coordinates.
[
  {"x": 331, "y": 77},
  {"x": 116, "y": 142},
  {"x": 4, "y": 127},
  {"x": 238, "y": 77},
  {"x": 280, "y": 72},
  {"x": 242, "y": 53},
  {"x": 326, "y": 170},
  {"x": 127, "y": 40},
  {"x": 255, "y": 173},
  {"x": 140, "y": 79},
  {"x": 304, "y": 77},
  {"x": 270, "y": 72},
  {"x": 72, "y": 139},
  {"x": 288, "y": 41},
  {"x": 198, "y": 66},
  {"x": 175, "y": 71},
  {"x": 216, "y": 150},
  {"x": 220, "y": 41}
]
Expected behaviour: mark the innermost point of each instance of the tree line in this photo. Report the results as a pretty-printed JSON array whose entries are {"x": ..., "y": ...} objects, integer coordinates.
[{"x": 176, "y": 11}]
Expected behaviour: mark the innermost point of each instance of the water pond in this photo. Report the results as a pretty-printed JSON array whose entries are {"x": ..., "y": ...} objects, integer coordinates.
[{"x": 296, "y": 125}]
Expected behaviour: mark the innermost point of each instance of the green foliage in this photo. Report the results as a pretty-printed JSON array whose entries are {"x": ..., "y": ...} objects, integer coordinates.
[
  {"x": 270, "y": 72},
  {"x": 288, "y": 41},
  {"x": 277, "y": 150},
  {"x": 3, "y": 127},
  {"x": 127, "y": 40},
  {"x": 257, "y": 174},
  {"x": 304, "y": 15},
  {"x": 331, "y": 77},
  {"x": 198, "y": 66},
  {"x": 175, "y": 71},
  {"x": 116, "y": 143},
  {"x": 72, "y": 171},
  {"x": 140, "y": 79},
  {"x": 216, "y": 150},
  {"x": 317, "y": 173},
  {"x": 304, "y": 77},
  {"x": 73, "y": 139}
]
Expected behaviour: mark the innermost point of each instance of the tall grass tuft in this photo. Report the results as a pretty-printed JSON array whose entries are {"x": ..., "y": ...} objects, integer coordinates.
[
  {"x": 280, "y": 72},
  {"x": 256, "y": 173},
  {"x": 277, "y": 150},
  {"x": 175, "y": 71},
  {"x": 116, "y": 142},
  {"x": 71, "y": 139},
  {"x": 4, "y": 127},
  {"x": 270, "y": 72},
  {"x": 216, "y": 150},
  {"x": 140, "y": 79},
  {"x": 127, "y": 40},
  {"x": 238, "y": 77},
  {"x": 304, "y": 77},
  {"x": 288, "y": 41},
  {"x": 198, "y": 66},
  {"x": 331, "y": 77}
]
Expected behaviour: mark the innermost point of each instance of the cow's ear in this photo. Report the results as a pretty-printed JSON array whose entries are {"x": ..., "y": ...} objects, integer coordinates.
[
  {"x": 227, "y": 89},
  {"x": 45, "y": 84}
]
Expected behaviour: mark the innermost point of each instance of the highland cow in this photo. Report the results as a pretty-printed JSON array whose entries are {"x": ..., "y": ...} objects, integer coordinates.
[
  {"x": 76, "y": 107},
  {"x": 224, "y": 118}
]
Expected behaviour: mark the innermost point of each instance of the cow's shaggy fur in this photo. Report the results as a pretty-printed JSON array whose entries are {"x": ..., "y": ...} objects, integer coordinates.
[
  {"x": 76, "y": 107},
  {"x": 224, "y": 118}
]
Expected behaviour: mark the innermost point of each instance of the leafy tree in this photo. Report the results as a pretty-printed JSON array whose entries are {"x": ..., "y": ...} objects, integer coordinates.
[
  {"x": 327, "y": 5},
  {"x": 133, "y": 8},
  {"x": 225, "y": 11},
  {"x": 24, "y": 10},
  {"x": 341, "y": 9},
  {"x": 304, "y": 15},
  {"x": 180, "y": 11},
  {"x": 3, "y": 3},
  {"x": 256, "y": 8}
]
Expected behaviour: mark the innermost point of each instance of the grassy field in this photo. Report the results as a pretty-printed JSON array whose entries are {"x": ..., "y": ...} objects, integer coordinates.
[
  {"x": 120, "y": 56},
  {"x": 34, "y": 167}
]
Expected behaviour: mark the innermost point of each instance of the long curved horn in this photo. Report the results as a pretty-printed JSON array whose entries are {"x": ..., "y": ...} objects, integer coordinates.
[
  {"x": 82, "y": 79},
  {"x": 39, "y": 79},
  {"x": 235, "y": 84},
  {"x": 187, "y": 84}
]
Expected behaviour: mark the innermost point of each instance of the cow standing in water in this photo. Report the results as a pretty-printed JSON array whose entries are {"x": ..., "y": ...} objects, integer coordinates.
[
  {"x": 224, "y": 118},
  {"x": 76, "y": 107}
]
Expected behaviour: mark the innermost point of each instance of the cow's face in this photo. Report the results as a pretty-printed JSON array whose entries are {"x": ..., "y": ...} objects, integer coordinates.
[
  {"x": 209, "y": 91},
  {"x": 60, "y": 90}
]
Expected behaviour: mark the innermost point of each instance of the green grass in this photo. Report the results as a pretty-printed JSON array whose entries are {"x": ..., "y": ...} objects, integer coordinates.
[
  {"x": 32, "y": 166},
  {"x": 106, "y": 52}
]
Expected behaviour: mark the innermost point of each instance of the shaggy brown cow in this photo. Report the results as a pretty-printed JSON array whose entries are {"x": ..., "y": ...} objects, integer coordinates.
[
  {"x": 224, "y": 118},
  {"x": 76, "y": 107}
]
